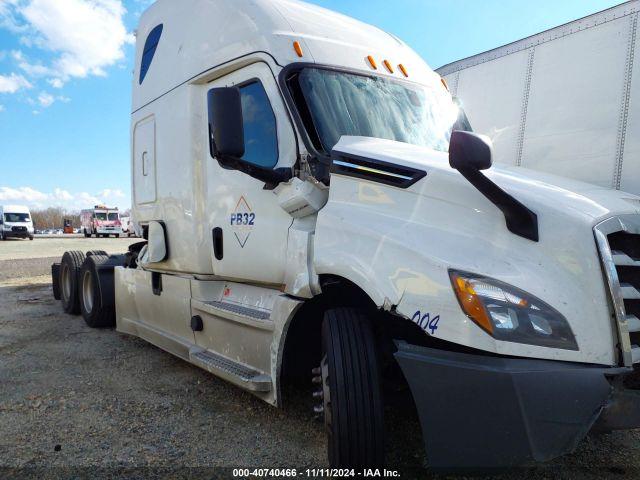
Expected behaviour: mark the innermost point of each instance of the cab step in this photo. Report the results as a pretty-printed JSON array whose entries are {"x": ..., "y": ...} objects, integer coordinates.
[
  {"x": 231, "y": 371},
  {"x": 621, "y": 259},
  {"x": 635, "y": 354},
  {"x": 633, "y": 323},
  {"x": 254, "y": 317},
  {"x": 629, "y": 292}
]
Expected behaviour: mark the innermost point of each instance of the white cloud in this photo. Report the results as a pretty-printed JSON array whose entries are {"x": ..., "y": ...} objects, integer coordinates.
[
  {"x": 55, "y": 82},
  {"x": 46, "y": 99},
  {"x": 1, "y": 108},
  {"x": 31, "y": 69},
  {"x": 12, "y": 83},
  {"x": 61, "y": 197},
  {"x": 109, "y": 193},
  {"x": 60, "y": 194},
  {"x": 87, "y": 36},
  {"x": 22, "y": 194}
]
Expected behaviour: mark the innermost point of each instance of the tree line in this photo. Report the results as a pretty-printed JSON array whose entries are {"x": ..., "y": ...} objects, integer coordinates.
[{"x": 54, "y": 217}]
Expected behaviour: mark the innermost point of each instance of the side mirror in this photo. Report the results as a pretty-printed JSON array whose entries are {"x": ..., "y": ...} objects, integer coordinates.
[
  {"x": 226, "y": 126},
  {"x": 469, "y": 151},
  {"x": 157, "y": 244},
  {"x": 226, "y": 136}
]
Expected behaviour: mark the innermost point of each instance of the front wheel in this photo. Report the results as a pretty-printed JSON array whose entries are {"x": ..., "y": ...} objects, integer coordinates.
[{"x": 351, "y": 390}]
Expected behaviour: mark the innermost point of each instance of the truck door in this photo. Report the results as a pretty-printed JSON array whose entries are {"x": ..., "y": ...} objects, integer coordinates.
[{"x": 248, "y": 228}]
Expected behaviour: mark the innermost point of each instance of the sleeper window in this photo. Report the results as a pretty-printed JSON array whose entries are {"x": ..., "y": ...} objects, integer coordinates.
[
  {"x": 260, "y": 137},
  {"x": 150, "y": 46}
]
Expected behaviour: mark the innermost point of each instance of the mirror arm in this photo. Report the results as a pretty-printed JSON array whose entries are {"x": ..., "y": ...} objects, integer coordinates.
[
  {"x": 272, "y": 177},
  {"x": 520, "y": 219}
]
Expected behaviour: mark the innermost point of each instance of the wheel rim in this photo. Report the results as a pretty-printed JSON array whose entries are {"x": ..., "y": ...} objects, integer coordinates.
[
  {"x": 65, "y": 280},
  {"x": 87, "y": 291}
]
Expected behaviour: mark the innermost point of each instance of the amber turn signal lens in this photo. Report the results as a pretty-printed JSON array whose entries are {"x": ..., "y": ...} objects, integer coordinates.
[
  {"x": 471, "y": 302},
  {"x": 298, "y": 49}
]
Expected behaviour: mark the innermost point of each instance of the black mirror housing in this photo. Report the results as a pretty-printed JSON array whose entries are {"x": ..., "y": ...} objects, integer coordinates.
[
  {"x": 226, "y": 126},
  {"x": 470, "y": 151}
]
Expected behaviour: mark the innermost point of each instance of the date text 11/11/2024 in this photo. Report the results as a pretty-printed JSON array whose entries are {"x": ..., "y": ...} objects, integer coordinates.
[{"x": 315, "y": 473}]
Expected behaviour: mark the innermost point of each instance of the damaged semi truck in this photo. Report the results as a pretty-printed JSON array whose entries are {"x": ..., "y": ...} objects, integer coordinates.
[{"x": 311, "y": 198}]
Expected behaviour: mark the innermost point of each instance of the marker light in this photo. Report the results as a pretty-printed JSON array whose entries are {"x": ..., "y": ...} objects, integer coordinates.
[
  {"x": 388, "y": 65},
  {"x": 510, "y": 314},
  {"x": 444, "y": 82},
  {"x": 298, "y": 49},
  {"x": 403, "y": 70},
  {"x": 372, "y": 62}
]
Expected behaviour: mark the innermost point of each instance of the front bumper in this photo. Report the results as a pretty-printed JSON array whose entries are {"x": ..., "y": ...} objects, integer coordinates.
[
  {"x": 109, "y": 231},
  {"x": 483, "y": 412},
  {"x": 21, "y": 234}
]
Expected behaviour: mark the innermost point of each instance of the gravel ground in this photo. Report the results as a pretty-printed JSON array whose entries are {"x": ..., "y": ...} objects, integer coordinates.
[
  {"x": 83, "y": 403},
  {"x": 15, "y": 249}
]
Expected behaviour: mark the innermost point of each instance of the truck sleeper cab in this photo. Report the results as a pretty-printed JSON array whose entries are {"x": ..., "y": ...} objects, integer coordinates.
[
  {"x": 15, "y": 222},
  {"x": 313, "y": 203}
]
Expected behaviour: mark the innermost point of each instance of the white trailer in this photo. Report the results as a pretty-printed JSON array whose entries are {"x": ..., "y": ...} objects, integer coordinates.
[
  {"x": 565, "y": 101},
  {"x": 312, "y": 205}
]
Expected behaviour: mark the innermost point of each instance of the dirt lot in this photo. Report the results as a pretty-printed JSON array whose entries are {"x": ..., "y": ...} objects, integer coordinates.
[{"x": 77, "y": 402}]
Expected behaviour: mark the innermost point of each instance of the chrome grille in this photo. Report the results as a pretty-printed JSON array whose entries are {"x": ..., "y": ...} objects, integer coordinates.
[{"x": 618, "y": 240}]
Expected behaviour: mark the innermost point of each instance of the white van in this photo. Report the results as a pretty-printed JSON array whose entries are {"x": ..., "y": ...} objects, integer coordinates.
[{"x": 15, "y": 222}]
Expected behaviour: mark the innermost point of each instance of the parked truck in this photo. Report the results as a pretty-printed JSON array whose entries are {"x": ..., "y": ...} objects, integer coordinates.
[
  {"x": 15, "y": 222},
  {"x": 101, "y": 221},
  {"x": 312, "y": 204},
  {"x": 565, "y": 101}
]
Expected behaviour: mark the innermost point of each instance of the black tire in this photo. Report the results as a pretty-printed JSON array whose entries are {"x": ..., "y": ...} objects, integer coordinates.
[
  {"x": 30, "y": 237},
  {"x": 55, "y": 280},
  {"x": 117, "y": 235},
  {"x": 97, "y": 252},
  {"x": 353, "y": 406},
  {"x": 86, "y": 235},
  {"x": 97, "y": 297},
  {"x": 69, "y": 280}
]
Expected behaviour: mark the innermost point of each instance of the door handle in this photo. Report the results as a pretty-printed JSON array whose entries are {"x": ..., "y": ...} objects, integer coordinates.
[{"x": 218, "y": 243}]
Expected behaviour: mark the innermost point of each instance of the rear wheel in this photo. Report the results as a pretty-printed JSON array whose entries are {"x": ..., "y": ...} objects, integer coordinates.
[
  {"x": 86, "y": 235},
  {"x": 351, "y": 391},
  {"x": 97, "y": 299},
  {"x": 69, "y": 280}
]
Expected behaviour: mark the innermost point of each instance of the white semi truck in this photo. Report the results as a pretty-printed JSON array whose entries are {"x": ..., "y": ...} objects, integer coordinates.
[
  {"x": 312, "y": 201},
  {"x": 565, "y": 101}
]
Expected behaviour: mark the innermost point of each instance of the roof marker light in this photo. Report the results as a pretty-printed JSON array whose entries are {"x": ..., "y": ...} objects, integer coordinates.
[
  {"x": 298, "y": 49},
  {"x": 372, "y": 62},
  {"x": 444, "y": 82},
  {"x": 388, "y": 65},
  {"x": 403, "y": 70}
]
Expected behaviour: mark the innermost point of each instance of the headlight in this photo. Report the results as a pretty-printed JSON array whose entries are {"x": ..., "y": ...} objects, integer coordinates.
[{"x": 509, "y": 314}]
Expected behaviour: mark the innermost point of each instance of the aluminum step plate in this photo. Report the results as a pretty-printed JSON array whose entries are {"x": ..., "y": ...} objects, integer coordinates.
[
  {"x": 629, "y": 292},
  {"x": 233, "y": 371},
  {"x": 633, "y": 323},
  {"x": 241, "y": 310}
]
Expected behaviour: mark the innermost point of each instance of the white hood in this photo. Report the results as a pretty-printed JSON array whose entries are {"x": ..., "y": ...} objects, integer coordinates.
[{"x": 538, "y": 191}]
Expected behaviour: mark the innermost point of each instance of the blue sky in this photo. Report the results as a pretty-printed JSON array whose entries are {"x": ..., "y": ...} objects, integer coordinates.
[{"x": 65, "y": 74}]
